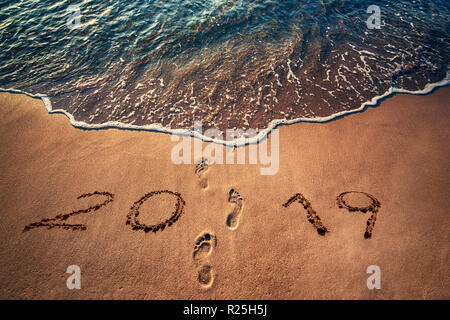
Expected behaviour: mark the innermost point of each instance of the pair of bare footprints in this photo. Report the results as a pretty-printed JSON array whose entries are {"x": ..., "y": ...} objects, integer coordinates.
[
  {"x": 233, "y": 196},
  {"x": 206, "y": 242}
]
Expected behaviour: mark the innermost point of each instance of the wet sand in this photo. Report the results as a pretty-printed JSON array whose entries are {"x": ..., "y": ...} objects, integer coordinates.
[{"x": 226, "y": 233}]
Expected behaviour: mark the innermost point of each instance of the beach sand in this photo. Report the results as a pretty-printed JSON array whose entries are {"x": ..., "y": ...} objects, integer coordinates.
[{"x": 397, "y": 152}]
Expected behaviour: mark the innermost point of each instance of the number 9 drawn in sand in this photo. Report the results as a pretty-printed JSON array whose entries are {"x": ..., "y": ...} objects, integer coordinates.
[
  {"x": 132, "y": 217},
  {"x": 373, "y": 207}
]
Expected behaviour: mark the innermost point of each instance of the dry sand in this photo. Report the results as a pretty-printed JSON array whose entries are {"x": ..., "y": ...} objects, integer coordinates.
[{"x": 397, "y": 152}]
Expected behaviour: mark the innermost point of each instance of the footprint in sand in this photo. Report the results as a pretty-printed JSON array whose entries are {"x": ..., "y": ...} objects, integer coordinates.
[
  {"x": 206, "y": 276},
  {"x": 203, "y": 247},
  {"x": 233, "y": 218},
  {"x": 200, "y": 168}
]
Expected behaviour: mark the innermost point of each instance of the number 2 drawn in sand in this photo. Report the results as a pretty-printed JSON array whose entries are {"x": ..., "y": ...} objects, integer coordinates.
[{"x": 51, "y": 222}]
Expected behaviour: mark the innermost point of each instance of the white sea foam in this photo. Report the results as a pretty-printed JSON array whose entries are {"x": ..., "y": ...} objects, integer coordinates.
[{"x": 262, "y": 134}]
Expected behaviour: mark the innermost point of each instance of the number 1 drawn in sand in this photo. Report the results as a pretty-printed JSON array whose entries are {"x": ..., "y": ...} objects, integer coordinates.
[{"x": 311, "y": 214}]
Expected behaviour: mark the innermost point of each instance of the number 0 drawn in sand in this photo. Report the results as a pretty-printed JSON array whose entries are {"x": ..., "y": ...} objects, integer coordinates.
[
  {"x": 132, "y": 217},
  {"x": 50, "y": 222}
]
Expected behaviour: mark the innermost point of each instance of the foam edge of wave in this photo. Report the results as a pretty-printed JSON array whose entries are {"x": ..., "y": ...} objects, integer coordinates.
[{"x": 240, "y": 142}]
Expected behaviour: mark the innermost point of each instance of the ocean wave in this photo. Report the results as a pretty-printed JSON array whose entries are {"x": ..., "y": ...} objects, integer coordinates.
[
  {"x": 240, "y": 142},
  {"x": 230, "y": 64}
]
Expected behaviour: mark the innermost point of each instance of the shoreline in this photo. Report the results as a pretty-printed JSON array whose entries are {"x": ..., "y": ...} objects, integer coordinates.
[{"x": 241, "y": 142}]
